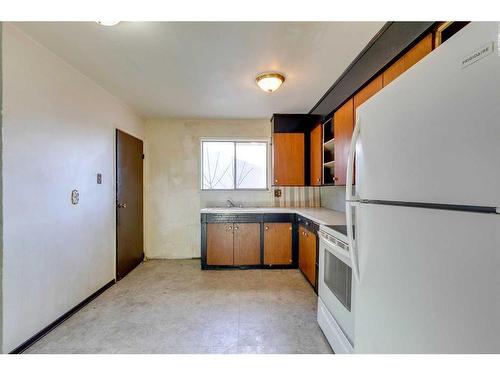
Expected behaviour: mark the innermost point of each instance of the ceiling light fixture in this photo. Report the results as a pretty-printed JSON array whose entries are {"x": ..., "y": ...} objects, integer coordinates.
[
  {"x": 270, "y": 81},
  {"x": 108, "y": 23}
]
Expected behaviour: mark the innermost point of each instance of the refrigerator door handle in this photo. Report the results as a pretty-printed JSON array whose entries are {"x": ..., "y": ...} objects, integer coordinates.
[
  {"x": 350, "y": 162},
  {"x": 350, "y": 201},
  {"x": 351, "y": 241}
]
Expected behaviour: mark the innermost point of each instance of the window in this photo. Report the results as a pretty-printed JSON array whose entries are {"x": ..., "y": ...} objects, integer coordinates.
[{"x": 232, "y": 165}]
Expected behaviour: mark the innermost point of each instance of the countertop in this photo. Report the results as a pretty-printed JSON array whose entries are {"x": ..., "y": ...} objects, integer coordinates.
[{"x": 319, "y": 215}]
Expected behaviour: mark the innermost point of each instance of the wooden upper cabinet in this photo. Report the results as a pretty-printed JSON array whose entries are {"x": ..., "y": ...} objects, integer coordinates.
[
  {"x": 307, "y": 254},
  {"x": 316, "y": 155},
  {"x": 367, "y": 92},
  {"x": 220, "y": 244},
  {"x": 246, "y": 244},
  {"x": 343, "y": 123},
  {"x": 410, "y": 58},
  {"x": 288, "y": 159},
  {"x": 277, "y": 243}
]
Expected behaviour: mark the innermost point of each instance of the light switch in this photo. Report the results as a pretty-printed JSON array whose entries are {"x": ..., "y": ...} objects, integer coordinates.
[
  {"x": 75, "y": 197},
  {"x": 99, "y": 178}
]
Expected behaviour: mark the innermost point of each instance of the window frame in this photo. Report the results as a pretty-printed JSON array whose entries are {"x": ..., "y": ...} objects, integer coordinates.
[{"x": 235, "y": 141}]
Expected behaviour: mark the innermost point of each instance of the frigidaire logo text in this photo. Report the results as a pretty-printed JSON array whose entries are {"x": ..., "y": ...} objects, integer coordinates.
[{"x": 477, "y": 55}]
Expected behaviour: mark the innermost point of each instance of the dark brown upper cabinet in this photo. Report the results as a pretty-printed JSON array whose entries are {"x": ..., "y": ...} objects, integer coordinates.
[
  {"x": 410, "y": 58},
  {"x": 367, "y": 92},
  {"x": 343, "y": 120},
  {"x": 288, "y": 159},
  {"x": 316, "y": 148},
  {"x": 292, "y": 148}
]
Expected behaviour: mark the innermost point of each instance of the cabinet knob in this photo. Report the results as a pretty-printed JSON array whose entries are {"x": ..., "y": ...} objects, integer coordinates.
[
  {"x": 266, "y": 227},
  {"x": 290, "y": 228},
  {"x": 319, "y": 179},
  {"x": 235, "y": 228},
  {"x": 275, "y": 180},
  {"x": 230, "y": 227},
  {"x": 335, "y": 178}
]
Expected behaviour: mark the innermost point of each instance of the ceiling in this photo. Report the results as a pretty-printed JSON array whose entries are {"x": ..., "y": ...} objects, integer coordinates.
[{"x": 208, "y": 69}]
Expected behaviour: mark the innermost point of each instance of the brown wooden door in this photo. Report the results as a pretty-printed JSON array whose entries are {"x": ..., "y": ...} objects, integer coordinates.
[
  {"x": 410, "y": 58},
  {"x": 220, "y": 244},
  {"x": 307, "y": 254},
  {"x": 367, "y": 92},
  {"x": 288, "y": 159},
  {"x": 277, "y": 243},
  {"x": 343, "y": 122},
  {"x": 316, "y": 155},
  {"x": 129, "y": 203},
  {"x": 246, "y": 244}
]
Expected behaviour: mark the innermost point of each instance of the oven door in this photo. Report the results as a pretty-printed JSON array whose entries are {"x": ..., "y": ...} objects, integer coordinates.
[{"x": 335, "y": 283}]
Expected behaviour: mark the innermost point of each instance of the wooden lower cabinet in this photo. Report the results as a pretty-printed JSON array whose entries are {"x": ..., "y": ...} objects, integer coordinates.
[
  {"x": 246, "y": 244},
  {"x": 307, "y": 254},
  {"x": 220, "y": 244},
  {"x": 277, "y": 243},
  {"x": 233, "y": 244}
]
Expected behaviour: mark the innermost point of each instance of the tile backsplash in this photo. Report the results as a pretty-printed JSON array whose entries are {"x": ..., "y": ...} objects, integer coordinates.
[
  {"x": 299, "y": 196},
  {"x": 290, "y": 197},
  {"x": 333, "y": 197}
]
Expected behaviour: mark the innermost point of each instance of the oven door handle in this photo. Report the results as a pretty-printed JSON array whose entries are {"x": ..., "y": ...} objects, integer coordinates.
[
  {"x": 334, "y": 249},
  {"x": 324, "y": 238}
]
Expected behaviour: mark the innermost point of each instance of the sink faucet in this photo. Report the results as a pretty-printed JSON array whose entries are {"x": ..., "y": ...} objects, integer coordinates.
[{"x": 230, "y": 203}]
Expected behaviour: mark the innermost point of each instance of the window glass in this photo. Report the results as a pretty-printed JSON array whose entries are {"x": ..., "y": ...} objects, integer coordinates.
[
  {"x": 228, "y": 165},
  {"x": 218, "y": 167},
  {"x": 251, "y": 163}
]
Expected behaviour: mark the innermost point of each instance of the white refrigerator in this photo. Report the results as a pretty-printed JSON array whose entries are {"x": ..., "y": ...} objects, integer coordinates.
[{"x": 426, "y": 204}]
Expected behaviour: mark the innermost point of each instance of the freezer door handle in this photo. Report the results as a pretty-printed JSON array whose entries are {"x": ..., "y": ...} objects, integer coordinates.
[{"x": 350, "y": 162}]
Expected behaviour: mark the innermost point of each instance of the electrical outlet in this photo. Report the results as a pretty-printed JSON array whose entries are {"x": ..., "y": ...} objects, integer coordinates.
[
  {"x": 277, "y": 193},
  {"x": 75, "y": 197},
  {"x": 99, "y": 178}
]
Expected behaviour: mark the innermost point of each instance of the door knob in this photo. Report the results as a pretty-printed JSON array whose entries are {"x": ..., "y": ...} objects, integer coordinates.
[{"x": 121, "y": 205}]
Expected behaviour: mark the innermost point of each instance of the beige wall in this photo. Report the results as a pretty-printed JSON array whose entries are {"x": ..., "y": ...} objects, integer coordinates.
[
  {"x": 173, "y": 196},
  {"x": 58, "y": 132}
]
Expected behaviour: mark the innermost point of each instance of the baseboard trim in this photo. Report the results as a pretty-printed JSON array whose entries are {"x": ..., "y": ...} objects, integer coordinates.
[{"x": 25, "y": 345}]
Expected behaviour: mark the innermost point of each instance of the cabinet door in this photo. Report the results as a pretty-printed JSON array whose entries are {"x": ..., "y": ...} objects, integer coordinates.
[
  {"x": 246, "y": 244},
  {"x": 307, "y": 254},
  {"x": 316, "y": 155},
  {"x": 220, "y": 244},
  {"x": 410, "y": 58},
  {"x": 367, "y": 92},
  {"x": 288, "y": 159},
  {"x": 277, "y": 243},
  {"x": 343, "y": 123}
]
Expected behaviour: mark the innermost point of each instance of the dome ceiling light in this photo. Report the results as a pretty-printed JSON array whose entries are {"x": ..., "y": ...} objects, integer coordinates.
[
  {"x": 108, "y": 23},
  {"x": 270, "y": 81}
]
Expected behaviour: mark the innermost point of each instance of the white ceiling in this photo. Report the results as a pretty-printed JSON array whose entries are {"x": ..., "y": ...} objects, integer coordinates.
[{"x": 207, "y": 70}]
